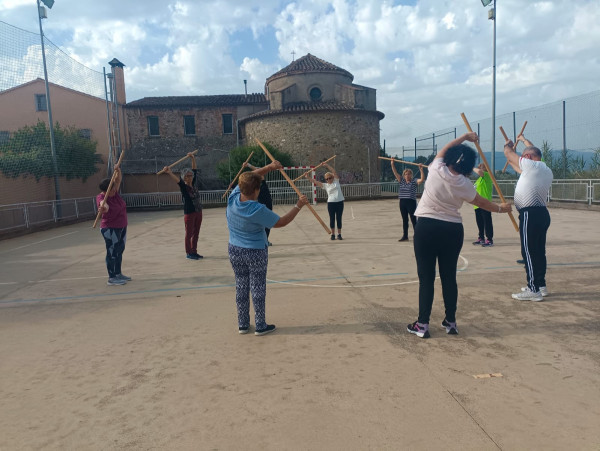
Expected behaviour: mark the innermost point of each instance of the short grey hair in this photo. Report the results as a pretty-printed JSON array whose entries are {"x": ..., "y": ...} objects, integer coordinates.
[
  {"x": 537, "y": 152},
  {"x": 185, "y": 172}
]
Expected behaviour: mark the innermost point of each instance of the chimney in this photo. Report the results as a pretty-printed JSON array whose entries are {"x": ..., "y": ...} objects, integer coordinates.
[
  {"x": 117, "y": 71},
  {"x": 246, "y": 88}
]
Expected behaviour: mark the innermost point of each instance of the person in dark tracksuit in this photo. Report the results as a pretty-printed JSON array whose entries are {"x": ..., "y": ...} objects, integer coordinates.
[
  {"x": 531, "y": 195},
  {"x": 439, "y": 234},
  {"x": 407, "y": 195}
]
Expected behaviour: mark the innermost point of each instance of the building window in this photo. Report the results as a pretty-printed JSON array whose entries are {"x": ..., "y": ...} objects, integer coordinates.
[
  {"x": 153, "y": 126},
  {"x": 189, "y": 125},
  {"x": 85, "y": 133},
  {"x": 40, "y": 102},
  {"x": 227, "y": 124},
  {"x": 315, "y": 93},
  {"x": 4, "y": 137}
]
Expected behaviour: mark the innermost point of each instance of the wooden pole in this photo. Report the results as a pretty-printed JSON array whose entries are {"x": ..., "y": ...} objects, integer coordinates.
[
  {"x": 327, "y": 229},
  {"x": 313, "y": 169},
  {"x": 112, "y": 180},
  {"x": 238, "y": 174},
  {"x": 399, "y": 161},
  {"x": 506, "y": 138},
  {"x": 487, "y": 167},
  {"x": 177, "y": 162}
]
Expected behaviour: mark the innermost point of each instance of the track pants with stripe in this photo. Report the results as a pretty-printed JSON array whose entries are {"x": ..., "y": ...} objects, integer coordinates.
[{"x": 533, "y": 227}]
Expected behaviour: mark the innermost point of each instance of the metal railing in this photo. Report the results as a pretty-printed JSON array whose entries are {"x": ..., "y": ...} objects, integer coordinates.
[{"x": 34, "y": 214}]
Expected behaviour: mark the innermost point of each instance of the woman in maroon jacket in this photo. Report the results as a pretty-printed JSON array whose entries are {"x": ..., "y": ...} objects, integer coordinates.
[{"x": 113, "y": 228}]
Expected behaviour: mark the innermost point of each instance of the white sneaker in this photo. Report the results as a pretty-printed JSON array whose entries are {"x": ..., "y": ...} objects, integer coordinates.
[
  {"x": 528, "y": 296},
  {"x": 543, "y": 290}
]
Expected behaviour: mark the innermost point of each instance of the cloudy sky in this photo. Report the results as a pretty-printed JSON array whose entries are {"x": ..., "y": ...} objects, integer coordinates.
[{"x": 428, "y": 59}]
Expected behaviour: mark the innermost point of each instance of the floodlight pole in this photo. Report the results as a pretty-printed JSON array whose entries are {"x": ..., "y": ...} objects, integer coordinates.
[
  {"x": 493, "y": 165},
  {"x": 49, "y": 108}
]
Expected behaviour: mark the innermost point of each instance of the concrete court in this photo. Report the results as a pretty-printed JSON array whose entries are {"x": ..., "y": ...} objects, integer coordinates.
[{"x": 158, "y": 363}]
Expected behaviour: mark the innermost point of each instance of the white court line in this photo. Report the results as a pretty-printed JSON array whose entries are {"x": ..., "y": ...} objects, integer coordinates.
[
  {"x": 352, "y": 210},
  {"x": 38, "y": 242},
  {"x": 7, "y": 283}
]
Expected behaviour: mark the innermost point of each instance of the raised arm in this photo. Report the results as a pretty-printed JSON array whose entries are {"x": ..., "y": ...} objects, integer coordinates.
[
  {"x": 478, "y": 171},
  {"x": 167, "y": 170},
  {"x": 335, "y": 176},
  {"x": 315, "y": 181},
  {"x": 471, "y": 136},
  {"x": 525, "y": 141},
  {"x": 193, "y": 158},
  {"x": 511, "y": 156},
  {"x": 398, "y": 177},
  {"x": 422, "y": 179},
  {"x": 274, "y": 166}
]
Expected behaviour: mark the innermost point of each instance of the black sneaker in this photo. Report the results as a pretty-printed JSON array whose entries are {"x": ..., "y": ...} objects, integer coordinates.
[
  {"x": 332, "y": 237},
  {"x": 267, "y": 330},
  {"x": 404, "y": 238},
  {"x": 488, "y": 243},
  {"x": 191, "y": 256},
  {"x": 451, "y": 328},
  {"x": 479, "y": 242},
  {"x": 243, "y": 330},
  {"x": 198, "y": 256},
  {"x": 521, "y": 262},
  {"x": 420, "y": 330},
  {"x": 340, "y": 236}
]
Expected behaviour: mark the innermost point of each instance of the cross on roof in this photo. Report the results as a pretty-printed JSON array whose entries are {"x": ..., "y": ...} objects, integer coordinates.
[{"x": 293, "y": 55}]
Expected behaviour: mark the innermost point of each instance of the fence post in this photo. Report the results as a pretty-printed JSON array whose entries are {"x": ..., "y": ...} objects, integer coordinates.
[
  {"x": 54, "y": 211},
  {"x": 590, "y": 192},
  {"x": 564, "y": 140},
  {"x": 76, "y": 209},
  {"x": 26, "y": 215}
]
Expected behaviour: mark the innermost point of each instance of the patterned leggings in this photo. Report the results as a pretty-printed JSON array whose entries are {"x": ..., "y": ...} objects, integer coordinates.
[
  {"x": 115, "y": 246},
  {"x": 250, "y": 269}
]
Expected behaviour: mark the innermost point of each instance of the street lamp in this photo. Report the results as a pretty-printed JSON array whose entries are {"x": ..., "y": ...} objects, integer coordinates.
[
  {"x": 42, "y": 15},
  {"x": 492, "y": 16}
]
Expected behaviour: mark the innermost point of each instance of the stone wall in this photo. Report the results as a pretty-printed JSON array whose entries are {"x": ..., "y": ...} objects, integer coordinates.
[
  {"x": 311, "y": 137},
  {"x": 149, "y": 153}
]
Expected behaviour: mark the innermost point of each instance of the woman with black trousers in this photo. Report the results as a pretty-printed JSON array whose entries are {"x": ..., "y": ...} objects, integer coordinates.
[
  {"x": 335, "y": 200},
  {"x": 439, "y": 233},
  {"x": 407, "y": 195}
]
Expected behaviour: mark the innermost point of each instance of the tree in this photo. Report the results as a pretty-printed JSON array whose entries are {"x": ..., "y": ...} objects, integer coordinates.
[
  {"x": 28, "y": 152},
  {"x": 595, "y": 163},
  {"x": 238, "y": 156}
]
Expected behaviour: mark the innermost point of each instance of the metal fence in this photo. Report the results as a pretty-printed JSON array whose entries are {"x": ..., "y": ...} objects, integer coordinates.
[{"x": 35, "y": 214}]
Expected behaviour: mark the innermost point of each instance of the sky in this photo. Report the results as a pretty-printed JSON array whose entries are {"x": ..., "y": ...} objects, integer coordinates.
[{"x": 429, "y": 60}]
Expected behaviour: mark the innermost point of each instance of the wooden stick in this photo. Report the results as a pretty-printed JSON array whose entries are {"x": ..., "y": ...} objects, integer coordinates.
[
  {"x": 238, "y": 174},
  {"x": 177, "y": 162},
  {"x": 487, "y": 167},
  {"x": 399, "y": 161},
  {"x": 112, "y": 180},
  {"x": 327, "y": 229},
  {"x": 313, "y": 169},
  {"x": 506, "y": 138}
]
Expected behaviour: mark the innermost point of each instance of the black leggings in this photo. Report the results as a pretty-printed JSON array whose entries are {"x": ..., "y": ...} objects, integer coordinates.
[
  {"x": 484, "y": 224},
  {"x": 441, "y": 241},
  {"x": 407, "y": 208},
  {"x": 335, "y": 210}
]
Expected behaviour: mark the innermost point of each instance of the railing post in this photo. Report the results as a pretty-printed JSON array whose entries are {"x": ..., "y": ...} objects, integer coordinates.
[
  {"x": 26, "y": 215},
  {"x": 54, "y": 210},
  {"x": 590, "y": 192},
  {"x": 76, "y": 209}
]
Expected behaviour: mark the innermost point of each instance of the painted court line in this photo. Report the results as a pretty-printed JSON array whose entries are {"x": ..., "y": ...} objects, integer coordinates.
[{"x": 42, "y": 241}]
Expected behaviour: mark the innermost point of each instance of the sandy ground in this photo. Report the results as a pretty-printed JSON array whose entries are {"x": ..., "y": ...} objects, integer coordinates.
[{"x": 158, "y": 363}]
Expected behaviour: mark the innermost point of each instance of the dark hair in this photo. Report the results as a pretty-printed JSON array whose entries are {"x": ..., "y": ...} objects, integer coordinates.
[
  {"x": 104, "y": 185},
  {"x": 461, "y": 158},
  {"x": 249, "y": 183}
]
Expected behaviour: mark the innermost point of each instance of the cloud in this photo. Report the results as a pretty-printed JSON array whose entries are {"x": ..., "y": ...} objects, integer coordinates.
[{"x": 428, "y": 59}]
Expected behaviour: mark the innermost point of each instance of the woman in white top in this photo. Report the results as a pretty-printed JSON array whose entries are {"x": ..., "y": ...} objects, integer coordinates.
[
  {"x": 439, "y": 233},
  {"x": 335, "y": 200}
]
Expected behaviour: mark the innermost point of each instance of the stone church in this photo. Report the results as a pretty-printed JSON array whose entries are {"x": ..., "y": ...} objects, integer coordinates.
[{"x": 311, "y": 109}]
